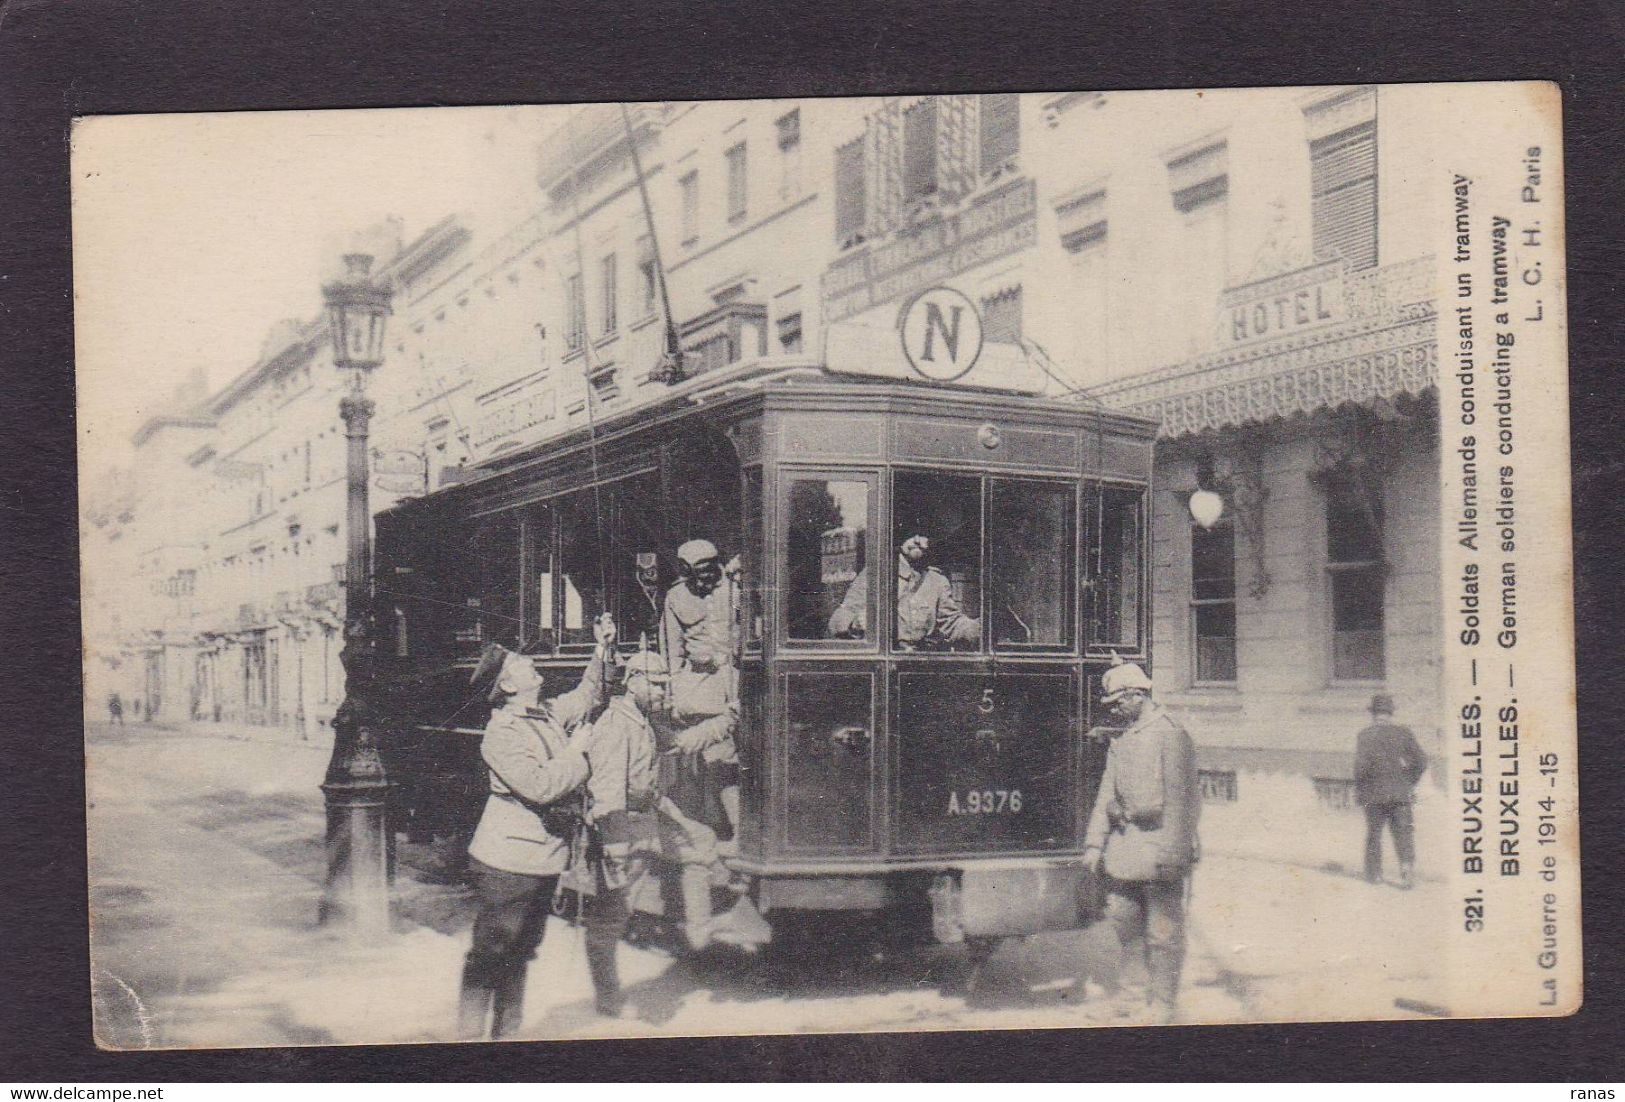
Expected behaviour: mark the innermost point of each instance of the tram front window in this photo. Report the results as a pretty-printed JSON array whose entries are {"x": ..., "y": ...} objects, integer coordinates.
[
  {"x": 1113, "y": 542},
  {"x": 1031, "y": 535},
  {"x": 938, "y": 542},
  {"x": 828, "y": 539}
]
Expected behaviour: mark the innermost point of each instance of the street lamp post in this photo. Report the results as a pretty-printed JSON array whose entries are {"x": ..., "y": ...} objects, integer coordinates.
[{"x": 355, "y": 790}]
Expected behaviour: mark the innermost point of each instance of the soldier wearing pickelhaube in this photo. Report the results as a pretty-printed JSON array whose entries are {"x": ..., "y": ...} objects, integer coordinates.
[{"x": 1142, "y": 832}]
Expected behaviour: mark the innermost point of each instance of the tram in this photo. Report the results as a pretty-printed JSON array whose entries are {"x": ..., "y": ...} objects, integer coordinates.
[{"x": 936, "y": 780}]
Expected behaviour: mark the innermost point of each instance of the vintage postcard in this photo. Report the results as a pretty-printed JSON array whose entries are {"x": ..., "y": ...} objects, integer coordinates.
[{"x": 1060, "y": 559}]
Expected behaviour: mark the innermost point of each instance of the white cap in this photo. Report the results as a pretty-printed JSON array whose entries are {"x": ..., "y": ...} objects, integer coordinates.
[
  {"x": 1121, "y": 679},
  {"x": 695, "y": 552}
]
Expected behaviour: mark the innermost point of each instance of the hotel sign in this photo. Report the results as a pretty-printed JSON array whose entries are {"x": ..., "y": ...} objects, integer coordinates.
[
  {"x": 996, "y": 224},
  {"x": 1282, "y": 305}
]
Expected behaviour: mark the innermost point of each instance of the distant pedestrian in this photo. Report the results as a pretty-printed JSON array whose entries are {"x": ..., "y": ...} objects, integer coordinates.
[
  {"x": 115, "y": 709},
  {"x": 1142, "y": 832},
  {"x": 1387, "y": 764}
]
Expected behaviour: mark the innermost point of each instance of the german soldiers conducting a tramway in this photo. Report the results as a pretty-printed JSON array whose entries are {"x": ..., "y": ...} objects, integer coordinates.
[
  {"x": 1142, "y": 832},
  {"x": 1387, "y": 764},
  {"x": 927, "y": 613}
]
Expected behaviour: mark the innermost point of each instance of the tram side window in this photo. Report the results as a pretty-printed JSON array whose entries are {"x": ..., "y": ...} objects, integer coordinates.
[
  {"x": 827, "y": 591},
  {"x": 751, "y": 557},
  {"x": 638, "y": 582},
  {"x": 497, "y": 549},
  {"x": 582, "y": 566},
  {"x": 937, "y": 544},
  {"x": 539, "y": 584},
  {"x": 1114, "y": 542},
  {"x": 1030, "y": 532}
]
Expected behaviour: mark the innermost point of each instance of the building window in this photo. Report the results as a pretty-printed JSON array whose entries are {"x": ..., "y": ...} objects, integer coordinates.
[
  {"x": 851, "y": 199},
  {"x": 648, "y": 277},
  {"x": 1001, "y": 316},
  {"x": 920, "y": 150},
  {"x": 1213, "y": 602},
  {"x": 690, "y": 187},
  {"x": 575, "y": 314},
  {"x": 736, "y": 182},
  {"x": 790, "y": 334},
  {"x": 789, "y": 128},
  {"x": 607, "y": 281},
  {"x": 1355, "y": 570},
  {"x": 1200, "y": 187},
  {"x": 1001, "y": 130},
  {"x": 1343, "y": 188},
  {"x": 1082, "y": 221}
]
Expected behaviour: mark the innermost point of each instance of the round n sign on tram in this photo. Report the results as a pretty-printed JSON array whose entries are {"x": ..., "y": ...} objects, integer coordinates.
[{"x": 942, "y": 334}]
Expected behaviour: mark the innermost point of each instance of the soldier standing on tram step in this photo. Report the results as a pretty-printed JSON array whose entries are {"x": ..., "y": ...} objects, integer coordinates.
[
  {"x": 698, "y": 641},
  {"x": 522, "y": 843},
  {"x": 1387, "y": 764},
  {"x": 1143, "y": 832}
]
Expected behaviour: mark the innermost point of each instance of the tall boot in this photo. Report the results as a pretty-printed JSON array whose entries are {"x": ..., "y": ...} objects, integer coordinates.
[
  {"x": 696, "y": 883},
  {"x": 474, "y": 1002},
  {"x": 606, "y": 978},
  {"x": 729, "y": 798},
  {"x": 508, "y": 1003}
]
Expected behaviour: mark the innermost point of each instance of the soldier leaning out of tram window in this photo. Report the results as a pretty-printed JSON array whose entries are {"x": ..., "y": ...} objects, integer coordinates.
[
  {"x": 1142, "y": 833},
  {"x": 538, "y": 762},
  {"x": 927, "y": 614},
  {"x": 697, "y": 638}
]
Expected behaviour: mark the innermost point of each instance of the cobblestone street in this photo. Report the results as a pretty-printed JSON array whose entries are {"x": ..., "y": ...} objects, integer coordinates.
[{"x": 204, "y": 903}]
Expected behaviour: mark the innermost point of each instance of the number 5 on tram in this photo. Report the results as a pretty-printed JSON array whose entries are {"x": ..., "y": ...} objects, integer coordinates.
[{"x": 932, "y": 580}]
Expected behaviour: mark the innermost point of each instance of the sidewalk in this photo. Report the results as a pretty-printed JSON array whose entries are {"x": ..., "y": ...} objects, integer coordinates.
[{"x": 207, "y": 861}]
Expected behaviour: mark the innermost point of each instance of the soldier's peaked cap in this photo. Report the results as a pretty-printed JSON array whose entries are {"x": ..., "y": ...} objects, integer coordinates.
[
  {"x": 646, "y": 663},
  {"x": 695, "y": 552},
  {"x": 490, "y": 665},
  {"x": 1119, "y": 680}
]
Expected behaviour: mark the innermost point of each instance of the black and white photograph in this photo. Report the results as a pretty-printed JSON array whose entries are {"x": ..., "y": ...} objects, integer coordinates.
[{"x": 730, "y": 567}]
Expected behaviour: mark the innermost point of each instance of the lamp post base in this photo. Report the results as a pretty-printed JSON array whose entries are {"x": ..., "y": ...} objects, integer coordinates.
[{"x": 356, "y": 895}]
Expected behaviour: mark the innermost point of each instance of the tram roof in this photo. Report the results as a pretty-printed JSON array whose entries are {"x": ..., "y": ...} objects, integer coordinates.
[{"x": 793, "y": 380}]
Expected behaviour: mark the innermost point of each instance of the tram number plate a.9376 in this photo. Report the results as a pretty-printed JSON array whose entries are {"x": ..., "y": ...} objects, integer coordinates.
[{"x": 985, "y": 801}]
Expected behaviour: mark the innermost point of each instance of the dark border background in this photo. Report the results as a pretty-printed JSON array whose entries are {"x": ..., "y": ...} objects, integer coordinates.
[{"x": 59, "y": 58}]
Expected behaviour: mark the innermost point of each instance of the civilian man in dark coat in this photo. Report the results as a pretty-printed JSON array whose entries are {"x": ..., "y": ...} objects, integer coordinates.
[{"x": 1387, "y": 764}]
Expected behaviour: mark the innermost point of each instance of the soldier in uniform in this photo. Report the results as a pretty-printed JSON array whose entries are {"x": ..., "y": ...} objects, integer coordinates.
[
  {"x": 927, "y": 613},
  {"x": 622, "y": 788},
  {"x": 1142, "y": 832},
  {"x": 702, "y": 705},
  {"x": 522, "y": 843}
]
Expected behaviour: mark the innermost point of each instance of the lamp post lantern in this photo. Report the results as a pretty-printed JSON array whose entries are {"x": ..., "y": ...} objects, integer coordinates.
[{"x": 355, "y": 790}]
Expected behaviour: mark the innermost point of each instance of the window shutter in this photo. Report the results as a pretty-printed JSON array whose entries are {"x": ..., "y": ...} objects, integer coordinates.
[
  {"x": 1343, "y": 181},
  {"x": 851, "y": 205},
  {"x": 789, "y": 127},
  {"x": 1200, "y": 177},
  {"x": 1001, "y": 129},
  {"x": 920, "y": 149}
]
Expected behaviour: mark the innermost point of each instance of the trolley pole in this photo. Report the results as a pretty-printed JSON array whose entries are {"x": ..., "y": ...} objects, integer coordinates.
[{"x": 356, "y": 790}]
